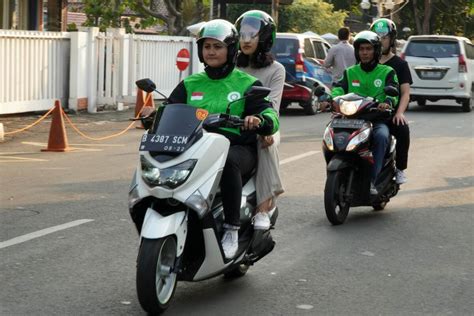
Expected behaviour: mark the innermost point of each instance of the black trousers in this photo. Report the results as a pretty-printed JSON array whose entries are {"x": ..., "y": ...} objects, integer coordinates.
[
  {"x": 240, "y": 162},
  {"x": 402, "y": 134}
]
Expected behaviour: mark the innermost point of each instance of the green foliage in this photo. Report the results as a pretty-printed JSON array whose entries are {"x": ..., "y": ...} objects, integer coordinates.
[
  {"x": 311, "y": 15},
  {"x": 303, "y": 15},
  {"x": 110, "y": 13},
  {"x": 451, "y": 18}
]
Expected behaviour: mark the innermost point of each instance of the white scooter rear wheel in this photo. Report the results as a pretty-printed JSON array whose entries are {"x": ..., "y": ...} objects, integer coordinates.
[{"x": 156, "y": 279}]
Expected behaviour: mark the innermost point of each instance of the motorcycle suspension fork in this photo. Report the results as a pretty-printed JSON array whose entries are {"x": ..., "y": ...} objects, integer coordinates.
[{"x": 348, "y": 193}]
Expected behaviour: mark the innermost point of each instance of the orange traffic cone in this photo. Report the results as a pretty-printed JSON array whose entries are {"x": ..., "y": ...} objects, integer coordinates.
[
  {"x": 143, "y": 101},
  {"x": 57, "y": 133},
  {"x": 140, "y": 101}
]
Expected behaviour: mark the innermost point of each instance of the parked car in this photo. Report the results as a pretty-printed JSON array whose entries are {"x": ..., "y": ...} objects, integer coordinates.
[
  {"x": 303, "y": 56},
  {"x": 442, "y": 67}
]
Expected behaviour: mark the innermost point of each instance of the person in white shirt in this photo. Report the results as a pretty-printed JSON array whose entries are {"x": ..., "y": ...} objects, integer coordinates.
[{"x": 341, "y": 55}]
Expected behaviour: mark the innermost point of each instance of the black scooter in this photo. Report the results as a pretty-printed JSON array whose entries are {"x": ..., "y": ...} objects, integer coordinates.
[{"x": 346, "y": 149}]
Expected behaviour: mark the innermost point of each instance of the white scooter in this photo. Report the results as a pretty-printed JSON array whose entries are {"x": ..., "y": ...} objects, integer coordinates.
[{"x": 175, "y": 202}]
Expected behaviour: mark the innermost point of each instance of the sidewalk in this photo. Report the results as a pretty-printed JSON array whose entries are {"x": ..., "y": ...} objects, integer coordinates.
[{"x": 93, "y": 124}]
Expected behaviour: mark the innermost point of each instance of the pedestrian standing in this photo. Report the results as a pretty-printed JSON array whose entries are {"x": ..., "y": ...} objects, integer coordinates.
[{"x": 341, "y": 55}]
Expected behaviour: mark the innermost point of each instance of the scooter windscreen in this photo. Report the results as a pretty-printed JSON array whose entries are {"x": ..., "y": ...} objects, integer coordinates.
[{"x": 177, "y": 128}]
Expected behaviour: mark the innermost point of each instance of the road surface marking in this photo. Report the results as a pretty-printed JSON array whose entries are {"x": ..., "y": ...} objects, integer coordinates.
[
  {"x": 43, "y": 232},
  {"x": 4, "y": 158},
  {"x": 298, "y": 157}
]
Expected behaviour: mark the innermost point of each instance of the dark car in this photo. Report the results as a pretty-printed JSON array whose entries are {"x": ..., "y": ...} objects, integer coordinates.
[{"x": 303, "y": 56}]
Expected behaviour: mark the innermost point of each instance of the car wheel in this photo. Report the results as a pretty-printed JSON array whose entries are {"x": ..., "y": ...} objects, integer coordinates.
[
  {"x": 467, "y": 105},
  {"x": 421, "y": 102},
  {"x": 311, "y": 106},
  {"x": 283, "y": 105}
]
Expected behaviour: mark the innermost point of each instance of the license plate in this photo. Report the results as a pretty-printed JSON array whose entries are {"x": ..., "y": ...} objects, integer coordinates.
[
  {"x": 347, "y": 123},
  {"x": 431, "y": 74},
  {"x": 164, "y": 143}
]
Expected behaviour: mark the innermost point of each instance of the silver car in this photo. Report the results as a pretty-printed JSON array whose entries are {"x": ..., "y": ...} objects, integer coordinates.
[{"x": 442, "y": 67}]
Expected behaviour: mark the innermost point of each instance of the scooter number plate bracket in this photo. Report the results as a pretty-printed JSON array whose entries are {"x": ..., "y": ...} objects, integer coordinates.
[{"x": 347, "y": 123}]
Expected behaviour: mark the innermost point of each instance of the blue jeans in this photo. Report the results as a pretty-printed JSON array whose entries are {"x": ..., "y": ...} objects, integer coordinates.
[{"x": 380, "y": 140}]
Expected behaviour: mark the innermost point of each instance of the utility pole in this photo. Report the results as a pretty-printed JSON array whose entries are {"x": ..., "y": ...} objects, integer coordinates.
[{"x": 275, "y": 5}]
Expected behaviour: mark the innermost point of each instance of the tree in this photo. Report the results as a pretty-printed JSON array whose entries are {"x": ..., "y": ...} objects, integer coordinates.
[
  {"x": 175, "y": 14},
  {"x": 303, "y": 15},
  {"x": 311, "y": 15},
  {"x": 452, "y": 17}
]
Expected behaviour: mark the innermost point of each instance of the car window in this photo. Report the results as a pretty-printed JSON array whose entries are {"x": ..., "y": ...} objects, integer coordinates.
[
  {"x": 320, "y": 53},
  {"x": 437, "y": 49},
  {"x": 469, "y": 50},
  {"x": 327, "y": 47},
  {"x": 308, "y": 48},
  {"x": 285, "y": 47}
]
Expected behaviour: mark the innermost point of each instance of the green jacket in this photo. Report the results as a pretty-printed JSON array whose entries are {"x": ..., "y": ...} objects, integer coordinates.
[
  {"x": 214, "y": 95},
  {"x": 369, "y": 84}
]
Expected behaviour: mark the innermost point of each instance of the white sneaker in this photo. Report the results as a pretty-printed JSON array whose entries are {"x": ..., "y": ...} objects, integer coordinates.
[
  {"x": 400, "y": 177},
  {"x": 261, "y": 221},
  {"x": 230, "y": 242},
  {"x": 373, "y": 189}
]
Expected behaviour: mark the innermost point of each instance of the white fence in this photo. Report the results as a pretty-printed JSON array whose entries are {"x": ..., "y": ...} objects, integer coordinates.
[
  {"x": 85, "y": 69},
  {"x": 34, "y": 70}
]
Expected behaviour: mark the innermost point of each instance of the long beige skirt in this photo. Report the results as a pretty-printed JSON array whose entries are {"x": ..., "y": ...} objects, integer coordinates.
[{"x": 268, "y": 181}]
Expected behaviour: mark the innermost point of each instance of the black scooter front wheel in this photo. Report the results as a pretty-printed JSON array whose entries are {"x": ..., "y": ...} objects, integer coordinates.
[
  {"x": 334, "y": 204},
  {"x": 156, "y": 279}
]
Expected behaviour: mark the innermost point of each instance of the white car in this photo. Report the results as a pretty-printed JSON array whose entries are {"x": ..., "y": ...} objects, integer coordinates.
[{"x": 442, "y": 67}]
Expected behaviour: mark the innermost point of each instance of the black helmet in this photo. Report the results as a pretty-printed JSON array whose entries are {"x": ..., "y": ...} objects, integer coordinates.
[
  {"x": 224, "y": 32},
  {"x": 384, "y": 27},
  {"x": 371, "y": 38},
  {"x": 261, "y": 24}
]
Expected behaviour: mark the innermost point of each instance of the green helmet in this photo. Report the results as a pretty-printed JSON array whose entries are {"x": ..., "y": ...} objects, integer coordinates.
[
  {"x": 371, "y": 38},
  {"x": 224, "y": 32},
  {"x": 384, "y": 27},
  {"x": 256, "y": 22}
]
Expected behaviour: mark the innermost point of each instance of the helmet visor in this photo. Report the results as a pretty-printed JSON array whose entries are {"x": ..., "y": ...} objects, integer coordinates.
[{"x": 249, "y": 28}]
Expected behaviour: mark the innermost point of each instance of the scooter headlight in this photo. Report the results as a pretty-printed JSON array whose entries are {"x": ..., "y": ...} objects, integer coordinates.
[
  {"x": 349, "y": 107},
  {"x": 327, "y": 138},
  {"x": 171, "y": 177},
  {"x": 358, "y": 139}
]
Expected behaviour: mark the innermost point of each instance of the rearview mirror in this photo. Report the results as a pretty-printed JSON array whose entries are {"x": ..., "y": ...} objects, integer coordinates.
[
  {"x": 146, "y": 85},
  {"x": 391, "y": 91},
  {"x": 257, "y": 92}
]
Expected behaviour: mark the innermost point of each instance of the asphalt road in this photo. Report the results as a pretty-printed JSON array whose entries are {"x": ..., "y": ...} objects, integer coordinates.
[{"x": 415, "y": 257}]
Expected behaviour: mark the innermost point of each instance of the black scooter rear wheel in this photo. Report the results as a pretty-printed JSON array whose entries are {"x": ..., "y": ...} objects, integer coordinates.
[{"x": 334, "y": 204}]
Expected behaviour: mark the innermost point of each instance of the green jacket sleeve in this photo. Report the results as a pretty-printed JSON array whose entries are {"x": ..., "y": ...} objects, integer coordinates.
[
  {"x": 392, "y": 80},
  {"x": 270, "y": 122},
  {"x": 340, "y": 87}
]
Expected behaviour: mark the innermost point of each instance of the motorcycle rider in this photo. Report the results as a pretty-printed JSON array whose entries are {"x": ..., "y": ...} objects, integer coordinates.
[
  {"x": 212, "y": 90},
  {"x": 387, "y": 30},
  {"x": 368, "y": 78},
  {"x": 257, "y": 32}
]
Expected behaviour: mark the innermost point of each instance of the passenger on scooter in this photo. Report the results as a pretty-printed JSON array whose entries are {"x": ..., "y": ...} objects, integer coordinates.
[
  {"x": 212, "y": 90},
  {"x": 368, "y": 78},
  {"x": 257, "y": 34},
  {"x": 387, "y": 30}
]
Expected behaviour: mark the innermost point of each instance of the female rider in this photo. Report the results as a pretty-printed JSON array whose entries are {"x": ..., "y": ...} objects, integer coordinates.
[
  {"x": 212, "y": 90},
  {"x": 257, "y": 33}
]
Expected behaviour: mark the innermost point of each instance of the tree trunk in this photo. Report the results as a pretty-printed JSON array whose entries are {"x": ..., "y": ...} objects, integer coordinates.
[
  {"x": 416, "y": 15},
  {"x": 427, "y": 17}
]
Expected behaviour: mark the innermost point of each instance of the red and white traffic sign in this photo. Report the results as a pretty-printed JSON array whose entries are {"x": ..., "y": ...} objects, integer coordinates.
[{"x": 182, "y": 59}]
